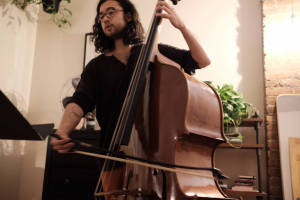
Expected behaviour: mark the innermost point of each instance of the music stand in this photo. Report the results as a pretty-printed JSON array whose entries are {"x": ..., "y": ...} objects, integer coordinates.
[{"x": 13, "y": 126}]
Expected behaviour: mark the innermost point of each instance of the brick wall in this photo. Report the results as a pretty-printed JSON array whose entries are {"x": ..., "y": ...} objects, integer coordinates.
[{"x": 281, "y": 39}]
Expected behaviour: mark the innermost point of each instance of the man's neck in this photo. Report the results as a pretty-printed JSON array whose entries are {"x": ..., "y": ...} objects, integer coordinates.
[{"x": 120, "y": 47}]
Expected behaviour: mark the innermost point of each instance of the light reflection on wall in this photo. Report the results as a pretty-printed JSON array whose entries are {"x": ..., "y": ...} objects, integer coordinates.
[
  {"x": 282, "y": 36},
  {"x": 6, "y": 147},
  {"x": 22, "y": 147}
]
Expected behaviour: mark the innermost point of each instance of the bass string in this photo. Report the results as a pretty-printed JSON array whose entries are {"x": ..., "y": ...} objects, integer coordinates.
[
  {"x": 121, "y": 119},
  {"x": 124, "y": 121},
  {"x": 133, "y": 83}
]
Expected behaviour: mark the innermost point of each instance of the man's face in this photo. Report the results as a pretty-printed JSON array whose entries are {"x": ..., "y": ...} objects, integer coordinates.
[{"x": 113, "y": 27}]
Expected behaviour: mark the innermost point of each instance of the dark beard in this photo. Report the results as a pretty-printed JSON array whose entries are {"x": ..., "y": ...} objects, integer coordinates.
[{"x": 116, "y": 34}]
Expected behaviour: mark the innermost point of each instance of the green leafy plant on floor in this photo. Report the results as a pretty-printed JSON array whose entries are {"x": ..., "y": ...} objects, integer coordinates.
[
  {"x": 234, "y": 107},
  {"x": 60, "y": 17}
]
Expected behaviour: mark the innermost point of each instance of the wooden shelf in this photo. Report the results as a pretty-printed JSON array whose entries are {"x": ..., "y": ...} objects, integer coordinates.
[
  {"x": 244, "y": 146},
  {"x": 244, "y": 193},
  {"x": 250, "y": 122},
  {"x": 255, "y": 123}
]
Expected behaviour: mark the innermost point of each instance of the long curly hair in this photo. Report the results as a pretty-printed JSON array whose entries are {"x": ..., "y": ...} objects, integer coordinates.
[{"x": 133, "y": 32}]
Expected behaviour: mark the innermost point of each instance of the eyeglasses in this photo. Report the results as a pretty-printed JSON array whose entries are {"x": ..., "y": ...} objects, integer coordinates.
[{"x": 109, "y": 14}]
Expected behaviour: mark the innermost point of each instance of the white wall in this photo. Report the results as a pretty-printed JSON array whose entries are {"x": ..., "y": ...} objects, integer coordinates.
[
  {"x": 58, "y": 56},
  {"x": 230, "y": 30},
  {"x": 17, "y": 43}
]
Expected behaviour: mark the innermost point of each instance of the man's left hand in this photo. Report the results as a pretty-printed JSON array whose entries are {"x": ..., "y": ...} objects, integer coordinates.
[{"x": 170, "y": 14}]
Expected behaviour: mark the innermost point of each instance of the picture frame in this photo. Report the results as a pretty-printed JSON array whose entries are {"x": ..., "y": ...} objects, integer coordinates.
[{"x": 89, "y": 50}]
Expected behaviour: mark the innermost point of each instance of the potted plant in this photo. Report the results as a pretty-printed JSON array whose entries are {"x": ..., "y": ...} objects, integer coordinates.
[
  {"x": 50, "y": 5},
  {"x": 90, "y": 120},
  {"x": 234, "y": 108},
  {"x": 60, "y": 14}
]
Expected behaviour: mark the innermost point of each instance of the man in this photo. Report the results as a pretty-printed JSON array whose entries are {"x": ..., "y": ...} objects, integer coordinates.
[{"x": 117, "y": 34}]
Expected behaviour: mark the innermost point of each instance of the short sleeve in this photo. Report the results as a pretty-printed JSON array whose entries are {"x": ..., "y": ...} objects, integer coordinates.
[
  {"x": 85, "y": 94},
  {"x": 180, "y": 56}
]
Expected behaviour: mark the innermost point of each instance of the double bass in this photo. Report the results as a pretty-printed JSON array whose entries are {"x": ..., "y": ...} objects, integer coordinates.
[{"x": 168, "y": 119}]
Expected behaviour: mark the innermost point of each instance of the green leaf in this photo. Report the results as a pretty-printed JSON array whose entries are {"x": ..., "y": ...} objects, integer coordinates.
[
  {"x": 241, "y": 105},
  {"x": 63, "y": 21},
  {"x": 229, "y": 107},
  {"x": 235, "y": 114},
  {"x": 235, "y": 97},
  {"x": 53, "y": 17},
  {"x": 242, "y": 96},
  {"x": 247, "y": 104},
  {"x": 49, "y": 8},
  {"x": 239, "y": 100},
  {"x": 230, "y": 93},
  {"x": 228, "y": 120},
  {"x": 224, "y": 87},
  {"x": 223, "y": 96},
  {"x": 68, "y": 11},
  {"x": 233, "y": 102},
  {"x": 238, "y": 121}
]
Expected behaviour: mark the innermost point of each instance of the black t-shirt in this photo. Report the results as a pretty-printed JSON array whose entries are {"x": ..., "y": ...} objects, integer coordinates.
[{"x": 105, "y": 80}]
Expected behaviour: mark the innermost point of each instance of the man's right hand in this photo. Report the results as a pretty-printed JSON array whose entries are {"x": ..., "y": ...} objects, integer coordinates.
[
  {"x": 72, "y": 116},
  {"x": 62, "y": 146}
]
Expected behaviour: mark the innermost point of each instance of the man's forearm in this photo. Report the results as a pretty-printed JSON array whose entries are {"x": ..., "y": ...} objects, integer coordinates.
[
  {"x": 197, "y": 50},
  {"x": 72, "y": 116}
]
